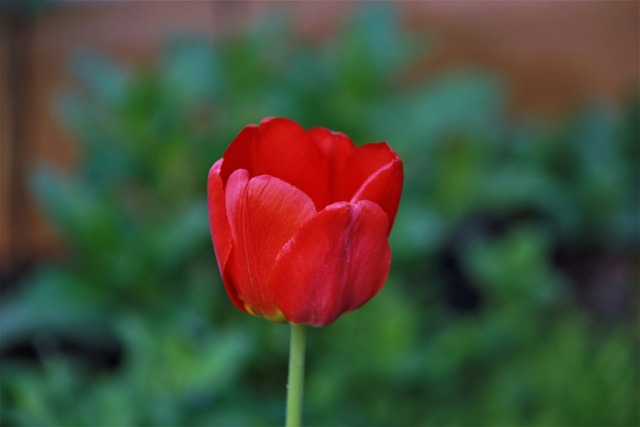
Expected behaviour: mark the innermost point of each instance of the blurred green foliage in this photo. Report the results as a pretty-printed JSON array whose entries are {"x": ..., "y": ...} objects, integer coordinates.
[{"x": 513, "y": 294}]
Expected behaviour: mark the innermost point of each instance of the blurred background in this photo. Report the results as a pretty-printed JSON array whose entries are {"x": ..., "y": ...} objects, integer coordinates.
[{"x": 513, "y": 295}]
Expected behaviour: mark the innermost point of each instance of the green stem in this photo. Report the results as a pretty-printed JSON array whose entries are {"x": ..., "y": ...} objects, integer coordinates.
[{"x": 296, "y": 375}]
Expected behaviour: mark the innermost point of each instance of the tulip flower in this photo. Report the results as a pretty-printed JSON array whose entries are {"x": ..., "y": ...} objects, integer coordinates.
[{"x": 300, "y": 221}]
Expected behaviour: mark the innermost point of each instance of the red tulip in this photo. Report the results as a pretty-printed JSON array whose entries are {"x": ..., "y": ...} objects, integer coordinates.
[{"x": 300, "y": 220}]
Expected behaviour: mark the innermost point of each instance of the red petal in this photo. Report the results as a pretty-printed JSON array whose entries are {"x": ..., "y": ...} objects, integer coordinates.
[
  {"x": 280, "y": 148},
  {"x": 241, "y": 153},
  {"x": 384, "y": 188},
  {"x": 335, "y": 263},
  {"x": 361, "y": 164},
  {"x": 335, "y": 146},
  {"x": 219, "y": 226},
  {"x": 264, "y": 212}
]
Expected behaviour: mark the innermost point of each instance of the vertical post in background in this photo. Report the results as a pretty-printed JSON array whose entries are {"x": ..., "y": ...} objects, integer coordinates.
[{"x": 14, "y": 42}]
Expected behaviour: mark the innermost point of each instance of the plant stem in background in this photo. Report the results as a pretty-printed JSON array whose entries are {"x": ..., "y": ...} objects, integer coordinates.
[{"x": 295, "y": 384}]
